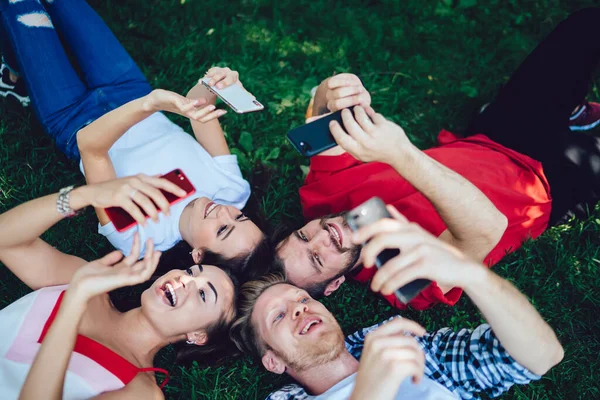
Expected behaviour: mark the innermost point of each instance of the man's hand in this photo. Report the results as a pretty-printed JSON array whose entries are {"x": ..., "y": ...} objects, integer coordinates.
[
  {"x": 344, "y": 91},
  {"x": 132, "y": 194},
  {"x": 389, "y": 357},
  {"x": 368, "y": 136},
  {"x": 422, "y": 256}
]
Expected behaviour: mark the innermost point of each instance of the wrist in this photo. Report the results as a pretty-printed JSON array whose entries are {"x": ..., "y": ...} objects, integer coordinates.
[
  {"x": 78, "y": 198},
  {"x": 405, "y": 155},
  {"x": 148, "y": 103},
  {"x": 476, "y": 278}
]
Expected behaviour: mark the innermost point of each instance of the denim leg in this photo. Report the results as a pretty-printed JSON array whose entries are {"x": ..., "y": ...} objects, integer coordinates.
[
  {"x": 103, "y": 61},
  {"x": 56, "y": 92}
]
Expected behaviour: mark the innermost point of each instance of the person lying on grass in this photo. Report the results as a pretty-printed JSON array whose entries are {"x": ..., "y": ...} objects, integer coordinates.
[
  {"x": 88, "y": 348},
  {"x": 519, "y": 170},
  {"x": 282, "y": 327},
  {"x": 112, "y": 121}
]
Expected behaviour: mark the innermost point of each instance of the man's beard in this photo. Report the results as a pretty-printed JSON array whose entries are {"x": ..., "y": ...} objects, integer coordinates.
[{"x": 328, "y": 348}]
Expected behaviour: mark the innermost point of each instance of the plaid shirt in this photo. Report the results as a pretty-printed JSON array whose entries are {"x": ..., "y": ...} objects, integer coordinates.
[{"x": 466, "y": 362}]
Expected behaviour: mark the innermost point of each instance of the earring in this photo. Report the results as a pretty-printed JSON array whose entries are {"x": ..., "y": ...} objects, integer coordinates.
[{"x": 190, "y": 342}]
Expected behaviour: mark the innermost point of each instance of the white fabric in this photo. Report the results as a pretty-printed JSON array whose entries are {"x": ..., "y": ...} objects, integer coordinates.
[
  {"x": 156, "y": 146},
  {"x": 78, "y": 385},
  {"x": 425, "y": 390}
]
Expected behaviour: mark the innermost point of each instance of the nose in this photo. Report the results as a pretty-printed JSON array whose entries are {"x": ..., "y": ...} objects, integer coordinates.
[
  {"x": 299, "y": 309},
  {"x": 322, "y": 238},
  {"x": 224, "y": 213}
]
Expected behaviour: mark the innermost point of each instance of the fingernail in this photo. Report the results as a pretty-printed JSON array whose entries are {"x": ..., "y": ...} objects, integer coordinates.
[
  {"x": 220, "y": 85},
  {"x": 211, "y": 107}
]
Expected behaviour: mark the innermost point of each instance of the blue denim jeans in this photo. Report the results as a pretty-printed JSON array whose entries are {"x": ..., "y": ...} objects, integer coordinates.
[{"x": 63, "y": 101}]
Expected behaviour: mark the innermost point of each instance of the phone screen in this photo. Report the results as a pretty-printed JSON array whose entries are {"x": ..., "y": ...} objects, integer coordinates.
[{"x": 123, "y": 221}]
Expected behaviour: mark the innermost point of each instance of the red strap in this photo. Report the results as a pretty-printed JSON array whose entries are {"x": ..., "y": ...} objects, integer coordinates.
[
  {"x": 108, "y": 359},
  {"x": 159, "y": 370}
]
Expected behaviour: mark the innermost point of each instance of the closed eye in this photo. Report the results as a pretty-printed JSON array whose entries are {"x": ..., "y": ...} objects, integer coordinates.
[{"x": 301, "y": 236}]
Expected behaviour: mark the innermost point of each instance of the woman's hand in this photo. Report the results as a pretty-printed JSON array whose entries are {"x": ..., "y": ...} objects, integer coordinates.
[
  {"x": 368, "y": 136},
  {"x": 195, "y": 109},
  {"x": 133, "y": 194},
  {"x": 222, "y": 77},
  {"x": 114, "y": 271}
]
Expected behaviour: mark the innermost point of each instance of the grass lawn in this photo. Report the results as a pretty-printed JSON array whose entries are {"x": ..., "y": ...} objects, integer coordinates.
[{"x": 428, "y": 65}]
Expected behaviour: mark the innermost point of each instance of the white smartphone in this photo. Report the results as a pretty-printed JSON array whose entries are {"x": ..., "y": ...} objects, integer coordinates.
[{"x": 239, "y": 99}]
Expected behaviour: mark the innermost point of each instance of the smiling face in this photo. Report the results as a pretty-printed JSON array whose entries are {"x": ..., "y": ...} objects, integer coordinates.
[
  {"x": 186, "y": 301},
  {"x": 222, "y": 229},
  {"x": 299, "y": 332},
  {"x": 318, "y": 252}
]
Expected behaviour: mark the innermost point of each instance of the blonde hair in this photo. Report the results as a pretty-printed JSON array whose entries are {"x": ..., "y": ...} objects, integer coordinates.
[{"x": 243, "y": 332}]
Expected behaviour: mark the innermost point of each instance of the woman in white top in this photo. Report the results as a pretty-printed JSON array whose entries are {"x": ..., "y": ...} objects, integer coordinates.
[
  {"x": 111, "y": 120},
  {"x": 66, "y": 339}
]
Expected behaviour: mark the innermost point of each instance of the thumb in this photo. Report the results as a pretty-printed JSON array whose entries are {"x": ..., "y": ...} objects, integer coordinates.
[{"x": 111, "y": 258}]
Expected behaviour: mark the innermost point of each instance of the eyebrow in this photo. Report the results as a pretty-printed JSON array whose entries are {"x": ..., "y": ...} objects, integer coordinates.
[
  {"x": 228, "y": 233},
  {"x": 210, "y": 285}
]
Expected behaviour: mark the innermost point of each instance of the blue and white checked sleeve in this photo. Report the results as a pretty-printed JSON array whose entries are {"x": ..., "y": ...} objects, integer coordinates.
[{"x": 469, "y": 362}]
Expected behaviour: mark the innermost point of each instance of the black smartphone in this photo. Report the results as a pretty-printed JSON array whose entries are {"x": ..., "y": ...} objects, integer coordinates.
[
  {"x": 314, "y": 138},
  {"x": 371, "y": 211}
]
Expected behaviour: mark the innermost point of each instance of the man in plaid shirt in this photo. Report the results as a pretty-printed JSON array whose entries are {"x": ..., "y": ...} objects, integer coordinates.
[{"x": 289, "y": 332}]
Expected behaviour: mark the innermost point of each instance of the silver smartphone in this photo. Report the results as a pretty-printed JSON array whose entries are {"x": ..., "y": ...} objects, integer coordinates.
[
  {"x": 239, "y": 99},
  {"x": 371, "y": 211}
]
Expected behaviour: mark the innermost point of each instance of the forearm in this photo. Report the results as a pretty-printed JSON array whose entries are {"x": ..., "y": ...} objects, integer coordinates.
[
  {"x": 515, "y": 322},
  {"x": 46, "y": 376},
  {"x": 472, "y": 219},
  {"x": 99, "y": 136},
  {"x": 320, "y": 100},
  {"x": 209, "y": 134},
  {"x": 23, "y": 224}
]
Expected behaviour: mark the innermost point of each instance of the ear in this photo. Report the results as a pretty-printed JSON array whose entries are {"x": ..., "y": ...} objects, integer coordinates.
[
  {"x": 333, "y": 286},
  {"x": 197, "y": 255},
  {"x": 199, "y": 338},
  {"x": 273, "y": 363}
]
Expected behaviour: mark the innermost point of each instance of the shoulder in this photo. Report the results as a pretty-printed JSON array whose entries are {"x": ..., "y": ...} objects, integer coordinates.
[
  {"x": 142, "y": 386},
  {"x": 289, "y": 392}
]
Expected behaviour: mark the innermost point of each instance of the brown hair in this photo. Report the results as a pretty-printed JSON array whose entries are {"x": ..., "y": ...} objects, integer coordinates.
[{"x": 243, "y": 332}]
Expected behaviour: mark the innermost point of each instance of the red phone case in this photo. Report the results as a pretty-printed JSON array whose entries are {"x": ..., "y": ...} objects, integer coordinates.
[{"x": 123, "y": 221}]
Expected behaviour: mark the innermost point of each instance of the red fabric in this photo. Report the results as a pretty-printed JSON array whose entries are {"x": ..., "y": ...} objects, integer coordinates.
[
  {"x": 108, "y": 359},
  {"x": 515, "y": 183}
]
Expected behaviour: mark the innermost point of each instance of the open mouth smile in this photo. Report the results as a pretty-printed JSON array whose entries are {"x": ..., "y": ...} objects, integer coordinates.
[
  {"x": 309, "y": 324},
  {"x": 335, "y": 234},
  {"x": 170, "y": 294},
  {"x": 209, "y": 208}
]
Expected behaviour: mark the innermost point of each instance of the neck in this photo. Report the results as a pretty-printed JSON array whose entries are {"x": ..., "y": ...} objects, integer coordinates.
[
  {"x": 184, "y": 225},
  {"x": 142, "y": 339},
  {"x": 321, "y": 378}
]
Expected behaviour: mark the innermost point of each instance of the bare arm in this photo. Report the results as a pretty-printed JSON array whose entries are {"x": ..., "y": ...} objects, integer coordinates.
[
  {"x": 46, "y": 376},
  {"x": 209, "y": 134},
  {"x": 515, "y": 322},
  {"x": 37, "y": 263},
  {"x": 474, "y": 224}
]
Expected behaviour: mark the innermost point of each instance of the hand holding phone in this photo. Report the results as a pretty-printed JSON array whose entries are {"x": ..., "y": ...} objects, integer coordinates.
[
  {"x": 143, "y": 200},
  {"x": 314, "y": 138},
  {"x": 235, "y": 96},
  {"x": 368, "y": 213}
]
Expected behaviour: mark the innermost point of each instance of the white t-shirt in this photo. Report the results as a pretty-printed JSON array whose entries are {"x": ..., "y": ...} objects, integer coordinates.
[
  {"x": 425, "y": 390},
  {"x": 156, "y": 146}
]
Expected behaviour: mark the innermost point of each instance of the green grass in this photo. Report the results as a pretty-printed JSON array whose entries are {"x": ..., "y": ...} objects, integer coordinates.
[{"x": 428, "y": 64}]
